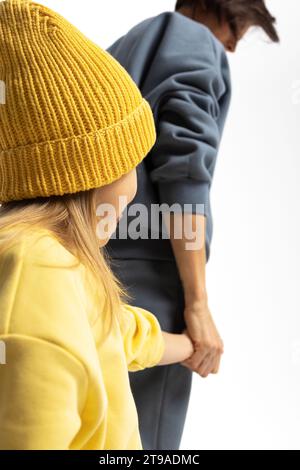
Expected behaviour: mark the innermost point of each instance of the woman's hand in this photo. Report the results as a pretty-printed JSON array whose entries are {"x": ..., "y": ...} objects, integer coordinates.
[{"x": 208, "y": 345}]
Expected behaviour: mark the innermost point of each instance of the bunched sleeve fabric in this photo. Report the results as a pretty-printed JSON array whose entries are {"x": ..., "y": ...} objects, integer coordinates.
[
  {"x": 142, "y": 338},
  {"x": 41, "y": 395}
]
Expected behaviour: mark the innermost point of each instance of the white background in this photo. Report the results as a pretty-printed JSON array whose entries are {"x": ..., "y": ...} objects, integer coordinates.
[{"x": 253, "y": 275}]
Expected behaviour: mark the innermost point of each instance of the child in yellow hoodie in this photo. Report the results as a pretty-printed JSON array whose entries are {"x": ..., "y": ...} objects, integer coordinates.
[{"x": 73, "y": 127}]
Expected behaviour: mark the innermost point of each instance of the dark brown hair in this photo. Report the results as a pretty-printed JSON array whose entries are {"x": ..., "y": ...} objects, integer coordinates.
[{"x": 236, "y": 13}]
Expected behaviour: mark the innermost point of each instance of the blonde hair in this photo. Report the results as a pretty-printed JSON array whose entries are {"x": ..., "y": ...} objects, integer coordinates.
[{"x": 71, "y": 218}]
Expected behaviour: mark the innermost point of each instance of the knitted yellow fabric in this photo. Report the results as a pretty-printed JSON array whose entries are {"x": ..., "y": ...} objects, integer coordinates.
[{"x": 72, "y": 118}]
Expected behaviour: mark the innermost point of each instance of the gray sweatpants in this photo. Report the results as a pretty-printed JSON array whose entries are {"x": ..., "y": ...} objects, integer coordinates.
[{"x": 161, "y": 393}]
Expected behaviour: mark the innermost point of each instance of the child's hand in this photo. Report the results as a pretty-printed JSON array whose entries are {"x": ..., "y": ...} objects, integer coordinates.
[
  {"x": 191, "y": 345},
  {"x": 185, "y": 363},
  {"x": 178, "y": 347}
]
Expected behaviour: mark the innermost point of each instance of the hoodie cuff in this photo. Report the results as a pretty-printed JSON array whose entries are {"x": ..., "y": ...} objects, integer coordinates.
[{"x": 191, "y": 196}]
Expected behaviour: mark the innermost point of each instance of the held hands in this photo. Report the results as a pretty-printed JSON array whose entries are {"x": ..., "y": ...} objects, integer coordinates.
[{"x": 208, "y": 345}]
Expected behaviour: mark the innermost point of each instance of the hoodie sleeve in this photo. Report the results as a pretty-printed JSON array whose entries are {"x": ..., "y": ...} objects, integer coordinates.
[
  {"x": 194, "y": 93},
  {"x": 142, "y": 338}
]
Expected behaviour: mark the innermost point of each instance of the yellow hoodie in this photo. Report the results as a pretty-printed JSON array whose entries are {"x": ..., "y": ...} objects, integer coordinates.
[{"x": 61, "y": 388}]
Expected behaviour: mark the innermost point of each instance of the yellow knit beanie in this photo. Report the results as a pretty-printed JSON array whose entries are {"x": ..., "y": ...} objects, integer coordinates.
[{"x": 71, "y": 117}]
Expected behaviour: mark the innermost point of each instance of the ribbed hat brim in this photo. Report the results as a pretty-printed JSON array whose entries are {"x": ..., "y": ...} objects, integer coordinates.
[{"x": 43, "y": 169}]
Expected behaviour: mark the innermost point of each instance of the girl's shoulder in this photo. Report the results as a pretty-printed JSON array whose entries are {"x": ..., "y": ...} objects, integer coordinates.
[
  {"x": 36, "y": 245},
  {"x": 42, "y": 289}
]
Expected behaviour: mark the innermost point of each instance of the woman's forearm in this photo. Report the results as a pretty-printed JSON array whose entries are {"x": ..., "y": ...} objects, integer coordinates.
[
  {"x": 191, "y": 262},
  {"x": 178, "y": 347}
]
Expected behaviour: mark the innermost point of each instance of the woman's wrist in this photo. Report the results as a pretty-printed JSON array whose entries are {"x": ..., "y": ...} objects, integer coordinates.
[{"x": 195, "y": 298}]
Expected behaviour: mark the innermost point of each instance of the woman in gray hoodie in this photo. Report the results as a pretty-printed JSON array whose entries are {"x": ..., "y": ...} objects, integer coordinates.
[{"x": 178, "y": 60}]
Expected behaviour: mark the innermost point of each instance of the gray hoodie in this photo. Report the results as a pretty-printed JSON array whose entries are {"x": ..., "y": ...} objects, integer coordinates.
[{"x": 182, "y": 70}]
